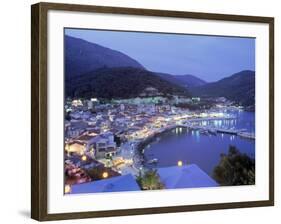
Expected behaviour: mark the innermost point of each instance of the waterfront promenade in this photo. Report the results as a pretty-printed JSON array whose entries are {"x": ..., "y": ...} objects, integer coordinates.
[{"x": 134, "y": 149}]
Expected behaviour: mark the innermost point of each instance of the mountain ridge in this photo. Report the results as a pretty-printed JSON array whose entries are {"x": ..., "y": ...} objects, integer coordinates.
[
  {"x": 239, "y": 87},
  {"x": 191, "y": 80},
  {"x": 187, "y": 81},
  {"x": 85, "y": 62},
  {"x": 82, "y": 56}
]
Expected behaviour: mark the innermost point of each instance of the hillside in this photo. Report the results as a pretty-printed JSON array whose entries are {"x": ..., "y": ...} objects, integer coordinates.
[
  {"x": 82, "y": 56},
  {"x": 187, "y": 81},
  {"x": 239, "y": 87},
  {"x": 190, "y": 80},
  {"x": 122, "y": 82},
  {"x": 170, "y": 78}
]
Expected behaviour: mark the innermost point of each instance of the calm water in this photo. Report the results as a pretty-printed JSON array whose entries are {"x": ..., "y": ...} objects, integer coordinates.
[{"x": 204, "y": 150}]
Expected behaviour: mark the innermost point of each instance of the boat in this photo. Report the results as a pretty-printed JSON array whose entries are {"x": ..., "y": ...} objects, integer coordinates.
[
  {"x": 152, "y": 161},
  {"x": 205, "y": 132},
  {"x": 213, "y": 131}
]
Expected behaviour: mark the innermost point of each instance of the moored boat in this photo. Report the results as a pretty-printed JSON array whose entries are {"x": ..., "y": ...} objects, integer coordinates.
[{"x": 152, "y": 161}]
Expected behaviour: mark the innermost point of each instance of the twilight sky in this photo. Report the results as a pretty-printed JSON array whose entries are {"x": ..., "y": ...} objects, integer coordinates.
[{"x": 207, "y": 57}]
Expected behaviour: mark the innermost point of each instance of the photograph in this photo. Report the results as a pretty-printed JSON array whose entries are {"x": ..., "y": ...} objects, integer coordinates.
[{"x": 157, "y": 111}]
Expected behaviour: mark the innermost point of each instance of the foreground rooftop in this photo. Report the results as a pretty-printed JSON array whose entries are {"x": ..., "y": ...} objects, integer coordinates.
[
  {"x": 114, "y": 184},
  {"x": 187, "y": 176}
]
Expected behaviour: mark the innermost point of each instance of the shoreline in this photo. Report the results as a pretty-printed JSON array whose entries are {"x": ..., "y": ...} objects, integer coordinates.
[{"x": 141, "y": 144}]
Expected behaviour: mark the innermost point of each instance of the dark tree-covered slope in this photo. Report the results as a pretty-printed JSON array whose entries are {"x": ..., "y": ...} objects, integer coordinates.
[
  {"x": 239, "y": 87},
  {"x": 123, "y": 82},
  {"x": 187, "y": 81}
]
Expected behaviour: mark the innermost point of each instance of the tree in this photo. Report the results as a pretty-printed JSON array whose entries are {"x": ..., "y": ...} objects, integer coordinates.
[
  {"x": 67, "y": 116},
  {"x": 117, "y": 140},
  {"x": 235, "y": 168},
  {"x": 97, "y": 173},
  {"x": 149, "y": 180}
]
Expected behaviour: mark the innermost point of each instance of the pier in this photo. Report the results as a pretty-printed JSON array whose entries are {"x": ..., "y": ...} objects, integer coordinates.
[
  {"x": 213, "y": 130},
  {"x": 246, "y": 135}
]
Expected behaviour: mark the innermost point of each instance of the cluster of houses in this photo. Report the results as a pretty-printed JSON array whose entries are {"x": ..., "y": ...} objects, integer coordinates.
[
  {"x": 95, "y": 131},
  {"x": 96, "y": 145},
  {"x": 92, "y": 127}
]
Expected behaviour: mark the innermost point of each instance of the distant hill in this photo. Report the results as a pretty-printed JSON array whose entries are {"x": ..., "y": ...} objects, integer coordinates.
[
  {"x": 190, "y": 80},
  {"x": 239, "y": 87},
  {"x": 169, "y": 78},
  {"x": 82, "y": 56},
  {"x": 122, "y": 82},
  {"x": 187, "y": 81}
]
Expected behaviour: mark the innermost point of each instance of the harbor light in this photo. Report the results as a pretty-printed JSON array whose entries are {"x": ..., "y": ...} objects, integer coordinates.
[
  {"x": 179, "y": 163},
  {"x": 67, "y": 189},
  {"x": 84, "y": 158},
  {"x": 105, "y": 174}
]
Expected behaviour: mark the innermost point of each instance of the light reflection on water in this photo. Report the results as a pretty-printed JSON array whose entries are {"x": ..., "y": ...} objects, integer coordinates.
[{"x": 243, "y": 120}]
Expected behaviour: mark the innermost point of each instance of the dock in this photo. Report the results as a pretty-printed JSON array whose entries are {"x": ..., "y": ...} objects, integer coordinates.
[{"x": 213, "y": 130}]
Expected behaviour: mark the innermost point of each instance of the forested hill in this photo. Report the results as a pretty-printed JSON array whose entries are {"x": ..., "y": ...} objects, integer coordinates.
[
  {"x": 82, "y": 56},
  {"x": 239, "y": 87},
  {"x": 122, "y": 82}
]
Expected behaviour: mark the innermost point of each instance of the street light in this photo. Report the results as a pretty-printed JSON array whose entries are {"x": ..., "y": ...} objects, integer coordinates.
[
  {"x": 67, "y": 189},
  {"x": 105, "y": 174},
  {"x": 179, "y": 163},
  {"x": 84, "y": 158}
]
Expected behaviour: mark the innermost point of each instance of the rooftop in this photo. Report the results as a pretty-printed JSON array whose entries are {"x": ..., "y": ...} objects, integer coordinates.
[
  {"x": 114, "y": 184},
  {"x": 187, "y": 176}
]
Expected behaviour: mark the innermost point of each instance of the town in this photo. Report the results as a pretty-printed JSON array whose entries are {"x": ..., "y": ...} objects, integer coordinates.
[{"x": 105, "y": 139}]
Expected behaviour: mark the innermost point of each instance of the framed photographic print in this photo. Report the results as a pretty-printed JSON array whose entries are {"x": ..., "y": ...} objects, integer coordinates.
[{"x": 139, "y": 111}]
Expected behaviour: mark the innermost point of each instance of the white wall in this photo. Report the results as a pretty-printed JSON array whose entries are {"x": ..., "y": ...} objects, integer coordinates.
[{"x": 15, "y": 111}]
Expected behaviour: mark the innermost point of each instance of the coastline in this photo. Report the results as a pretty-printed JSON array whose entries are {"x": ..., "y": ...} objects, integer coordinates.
[{"x": 140, "y": 145}]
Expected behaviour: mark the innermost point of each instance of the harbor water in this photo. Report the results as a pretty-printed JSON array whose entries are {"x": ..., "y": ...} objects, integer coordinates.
[{"x": 203, "y": 149}]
